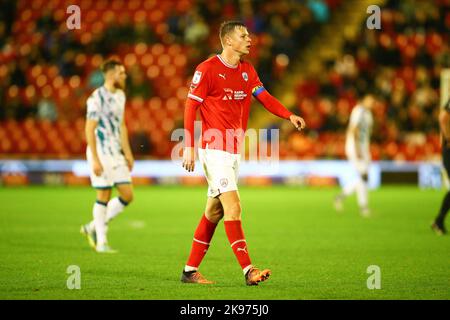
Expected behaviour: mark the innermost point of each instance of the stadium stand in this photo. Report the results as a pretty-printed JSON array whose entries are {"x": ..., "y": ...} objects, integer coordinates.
[
  {"x": 402, "y": 64},
  {"x": 47, "y": 71}
]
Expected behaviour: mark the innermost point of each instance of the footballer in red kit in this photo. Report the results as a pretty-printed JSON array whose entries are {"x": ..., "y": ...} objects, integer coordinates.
[
  {"x": 225, "y": 92},
  {"x": 221, "y": 90}
]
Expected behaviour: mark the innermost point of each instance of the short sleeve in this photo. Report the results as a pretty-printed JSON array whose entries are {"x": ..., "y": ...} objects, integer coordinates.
[
  {"x": 200, "y": 85},
  {"x": 93, "y": 109}
]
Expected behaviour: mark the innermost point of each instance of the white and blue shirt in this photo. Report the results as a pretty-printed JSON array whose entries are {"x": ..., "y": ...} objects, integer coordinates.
[
  {"x": 107, "y": 109},
  {"x": 362, "y": 119}
]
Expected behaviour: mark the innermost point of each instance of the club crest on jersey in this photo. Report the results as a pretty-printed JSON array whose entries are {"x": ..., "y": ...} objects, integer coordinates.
[
  {"x": 197, "y": 77},
  {"x": 245, "y": 76}
]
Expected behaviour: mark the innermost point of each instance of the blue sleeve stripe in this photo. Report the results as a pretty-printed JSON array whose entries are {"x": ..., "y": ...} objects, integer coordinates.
[{"x": 258, "y": 91}]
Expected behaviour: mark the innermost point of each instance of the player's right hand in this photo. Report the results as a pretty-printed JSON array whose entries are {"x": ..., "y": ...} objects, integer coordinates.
[
  {"x": 97, "y": 167},
  {"x": 189, "y": 159}
]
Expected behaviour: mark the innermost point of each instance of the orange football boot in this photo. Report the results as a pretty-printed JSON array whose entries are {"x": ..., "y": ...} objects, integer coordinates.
[
  {"x": 254, "y": 276},
  {"x": 194, "y": 277}
]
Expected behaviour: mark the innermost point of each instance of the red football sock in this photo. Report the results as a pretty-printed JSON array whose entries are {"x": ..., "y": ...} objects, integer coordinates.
[
  {"x": 202, "y": 236},
  {"x": 235, "y": 234}
]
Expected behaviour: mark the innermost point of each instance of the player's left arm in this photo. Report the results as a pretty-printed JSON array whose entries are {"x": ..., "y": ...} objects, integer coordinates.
[
  {"x": 275, "y": 107},
  {"x": 126, "y": 145}
]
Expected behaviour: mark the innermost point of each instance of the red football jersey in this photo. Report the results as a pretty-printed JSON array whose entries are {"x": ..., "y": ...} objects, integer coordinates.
[{"x": 225, "y": 92}]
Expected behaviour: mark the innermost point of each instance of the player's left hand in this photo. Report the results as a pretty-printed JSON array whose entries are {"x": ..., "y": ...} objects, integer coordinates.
[
  {"x": 130, "y": 161},
  {"x": 189, "y": 159},
  {"x": 298, "y": 122}
]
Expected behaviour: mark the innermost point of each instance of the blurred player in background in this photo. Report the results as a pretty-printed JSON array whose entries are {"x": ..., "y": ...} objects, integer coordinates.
[
  {"x": 108, "y": 153},
  {"x": 357, "y": 150},
  {"x": 444, "y": 122},
  {"x": 221, "y": 89}
]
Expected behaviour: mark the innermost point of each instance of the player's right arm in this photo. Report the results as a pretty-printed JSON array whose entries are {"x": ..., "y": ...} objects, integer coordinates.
[
  {"x": 197, "y": 93},
  {"x": 190, "y": 112},
  {"x": 91, "y": 125}
]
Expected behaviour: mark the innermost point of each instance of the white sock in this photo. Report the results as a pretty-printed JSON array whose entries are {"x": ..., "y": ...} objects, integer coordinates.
[
  {"x": 349, "y": 189},
  {"x": 245, "y": 270},
  {"x": 99, "y": 213},
  {"x": 91, "y": 225},
  {"x": 361, "y": 193},
  {"x": 189, "y": 268},
  {"x": 115, "y": 206}
]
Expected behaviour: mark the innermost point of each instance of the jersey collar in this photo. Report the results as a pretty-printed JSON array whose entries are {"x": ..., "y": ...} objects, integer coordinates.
[{"x": 226, "y": 64}]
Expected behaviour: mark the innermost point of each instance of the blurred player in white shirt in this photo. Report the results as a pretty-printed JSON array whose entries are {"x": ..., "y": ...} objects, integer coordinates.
[
  {"x": 357, "y": 150},
  {"x": 108, "y": 153}
]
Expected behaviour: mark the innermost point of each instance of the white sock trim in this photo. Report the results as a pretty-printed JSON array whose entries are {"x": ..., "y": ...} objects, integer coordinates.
[
  {"x": 189, "y": 268},
  {"x": 245, "y": 270},
  {"x": 237, "y": 241},
  {"x": 201, "y": 242}
]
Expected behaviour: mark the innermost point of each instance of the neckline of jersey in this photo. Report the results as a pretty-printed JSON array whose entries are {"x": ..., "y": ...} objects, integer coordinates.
[
  {"x": 226, "y": 64},
  {"x": 109, "y": 92}
]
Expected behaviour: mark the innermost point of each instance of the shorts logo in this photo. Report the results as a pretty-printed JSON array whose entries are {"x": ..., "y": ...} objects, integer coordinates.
[
  {"x": 224, "y": 182},
  {"x": 245, "y": 76},
  {"x": 197, "y": 77}
]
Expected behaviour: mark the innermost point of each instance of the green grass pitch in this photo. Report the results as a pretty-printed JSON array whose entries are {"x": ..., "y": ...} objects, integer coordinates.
[{"x": 314, "y": 253}]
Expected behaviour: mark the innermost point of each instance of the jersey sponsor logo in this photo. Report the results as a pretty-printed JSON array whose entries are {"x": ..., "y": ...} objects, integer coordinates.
[
  {"x": 228, "y": 94},
  {"x": 222, "y": 76},
  {"x": 239, "y": 95},
  {"x": 245, "y": 76},
  {"x": 234, "y": 95},
  {"x": 197, "y": 77}
]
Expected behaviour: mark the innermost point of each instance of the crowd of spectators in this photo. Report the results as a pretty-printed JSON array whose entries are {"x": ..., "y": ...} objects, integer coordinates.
[
  {"x": 401, "y": 64},
  {"x": 277, "y": 27},
  {"x": 35, "y": 40}
]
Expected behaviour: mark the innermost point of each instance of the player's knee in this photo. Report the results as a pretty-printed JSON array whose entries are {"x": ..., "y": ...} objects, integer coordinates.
[
  {"x": 103, "y": 195},
  {"x": 214, "y": 216},
  {"x": 127, "y": 196},
  {"x": 214, "y": 213},
  {"x": 233, "y": 212}
]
